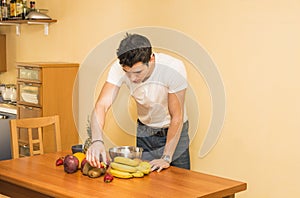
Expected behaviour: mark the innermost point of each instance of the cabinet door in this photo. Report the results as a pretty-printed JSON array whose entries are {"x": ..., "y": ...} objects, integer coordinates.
[
  {"x": 28, "y": 111},
  {"x": 29, "y": 94},
  {"x": 27, "y": 73},
  {"x": 3, "y": 67}
]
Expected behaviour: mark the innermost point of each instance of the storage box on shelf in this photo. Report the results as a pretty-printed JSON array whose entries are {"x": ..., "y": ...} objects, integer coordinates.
[{"x": 46, "y": 89}]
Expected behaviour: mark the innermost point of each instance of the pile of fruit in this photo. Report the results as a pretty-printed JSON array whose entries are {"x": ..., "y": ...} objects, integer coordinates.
[
  {"x": 121, "y": 167},
  {"x": 77, "y": 161}
]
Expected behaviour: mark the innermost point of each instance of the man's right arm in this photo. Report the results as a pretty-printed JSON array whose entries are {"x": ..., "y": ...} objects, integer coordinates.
[{"x": 107, "y": 96}]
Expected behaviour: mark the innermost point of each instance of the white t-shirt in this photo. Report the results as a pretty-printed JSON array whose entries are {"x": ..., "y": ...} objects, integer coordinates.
[{"x": 151, "y": 96}]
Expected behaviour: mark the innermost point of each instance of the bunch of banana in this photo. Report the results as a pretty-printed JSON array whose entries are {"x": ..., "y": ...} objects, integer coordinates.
[{"x": 123, "y": 167}]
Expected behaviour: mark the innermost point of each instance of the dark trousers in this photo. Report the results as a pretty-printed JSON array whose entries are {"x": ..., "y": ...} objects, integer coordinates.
[{"x": 153, "y": 141}]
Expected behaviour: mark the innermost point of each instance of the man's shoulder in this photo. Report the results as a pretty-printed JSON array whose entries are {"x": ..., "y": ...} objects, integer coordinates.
[
  {"x": 162, "y": 57},
  {"x": 169, "y": 62}
]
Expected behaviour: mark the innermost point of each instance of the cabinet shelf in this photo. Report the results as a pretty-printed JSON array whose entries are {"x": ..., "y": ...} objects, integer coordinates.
[{"x": 18, "y": 23}]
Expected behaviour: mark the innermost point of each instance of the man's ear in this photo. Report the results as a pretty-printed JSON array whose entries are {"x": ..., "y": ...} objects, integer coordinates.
[{"x": 152, "y": 58}]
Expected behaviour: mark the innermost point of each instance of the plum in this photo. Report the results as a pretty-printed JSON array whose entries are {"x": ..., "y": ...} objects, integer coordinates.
[{"x": 70, "y": 164}]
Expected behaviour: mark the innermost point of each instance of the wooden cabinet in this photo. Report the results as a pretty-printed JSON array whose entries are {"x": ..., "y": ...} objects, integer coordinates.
[
  {"x": 46, "y": 89},
  {"x": 3, "y": 67}
]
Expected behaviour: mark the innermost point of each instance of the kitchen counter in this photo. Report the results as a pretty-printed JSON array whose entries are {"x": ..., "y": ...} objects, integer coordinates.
[{"x": 38, "y": 176}]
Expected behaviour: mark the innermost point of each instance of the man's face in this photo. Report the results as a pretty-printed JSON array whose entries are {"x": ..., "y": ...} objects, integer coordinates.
[{"x": 138, "y": 73}]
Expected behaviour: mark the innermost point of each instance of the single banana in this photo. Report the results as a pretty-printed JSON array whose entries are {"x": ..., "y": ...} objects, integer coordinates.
[
  {"x": 126, "y": 161},
  {"x": 123, "y": 167},
  {"x": 120, "y": 174},
  {"x": 144, "y": 167},
  {"x": 145, "y": 171},
  {"x": 138, "y": 174}
]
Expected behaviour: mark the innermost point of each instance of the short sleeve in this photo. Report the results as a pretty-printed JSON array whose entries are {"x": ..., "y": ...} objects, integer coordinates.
[
  {"x": 116, "y": 74},
  {"x": 178, "y": 77}
]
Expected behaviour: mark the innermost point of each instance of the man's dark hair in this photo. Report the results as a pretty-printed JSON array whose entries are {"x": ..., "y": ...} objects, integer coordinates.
[{"x": 134, "y": 48}]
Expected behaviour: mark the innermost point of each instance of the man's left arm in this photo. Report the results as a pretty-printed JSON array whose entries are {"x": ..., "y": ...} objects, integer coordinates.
[{"x": 176, "y": 110}]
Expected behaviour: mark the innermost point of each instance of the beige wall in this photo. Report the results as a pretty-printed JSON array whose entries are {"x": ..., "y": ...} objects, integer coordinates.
[{"x": 255, "y": 44}]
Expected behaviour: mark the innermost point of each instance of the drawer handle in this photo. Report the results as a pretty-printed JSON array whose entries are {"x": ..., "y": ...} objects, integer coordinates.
[
  {"x": 28, "y": 84},
  {"x": 29, "y": 108}
]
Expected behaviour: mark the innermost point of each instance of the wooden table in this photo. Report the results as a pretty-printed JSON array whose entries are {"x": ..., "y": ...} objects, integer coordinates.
[{"x": 38, "y": 176}]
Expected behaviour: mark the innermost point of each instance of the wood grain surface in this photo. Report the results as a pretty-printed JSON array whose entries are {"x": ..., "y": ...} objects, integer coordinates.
[{"x": 40, "y": 174}]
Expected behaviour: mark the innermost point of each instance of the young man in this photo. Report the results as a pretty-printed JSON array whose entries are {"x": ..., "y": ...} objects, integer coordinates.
[{"x": 158, "y": 84}]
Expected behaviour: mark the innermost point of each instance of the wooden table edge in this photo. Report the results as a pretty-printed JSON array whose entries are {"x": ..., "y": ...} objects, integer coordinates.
[{"x": 27, "y": 185}]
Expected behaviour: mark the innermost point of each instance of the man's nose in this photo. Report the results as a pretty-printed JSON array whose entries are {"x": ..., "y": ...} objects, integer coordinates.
[{"x": 133, "y": 77}]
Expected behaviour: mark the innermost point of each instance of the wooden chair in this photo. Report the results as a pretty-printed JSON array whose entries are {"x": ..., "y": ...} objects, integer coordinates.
[{"x": 40, "y": 125}]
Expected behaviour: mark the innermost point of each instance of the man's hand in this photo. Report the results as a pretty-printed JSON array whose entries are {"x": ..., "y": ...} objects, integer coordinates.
[
  {"x": 159, "y": 164},
  {"x": 93, "y": 154}
]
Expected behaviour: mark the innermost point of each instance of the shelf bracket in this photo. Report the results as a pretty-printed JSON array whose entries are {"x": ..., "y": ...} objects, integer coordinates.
[
  {"x": 46, "y": 26},
  {"x": 18, "y": 27}
]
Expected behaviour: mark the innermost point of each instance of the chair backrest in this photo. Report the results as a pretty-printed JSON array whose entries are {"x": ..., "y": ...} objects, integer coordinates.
[{"x": 40, "y": 125}]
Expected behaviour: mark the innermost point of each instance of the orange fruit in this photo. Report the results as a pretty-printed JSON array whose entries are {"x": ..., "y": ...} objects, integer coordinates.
[{"x": 80, "y": 156}]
